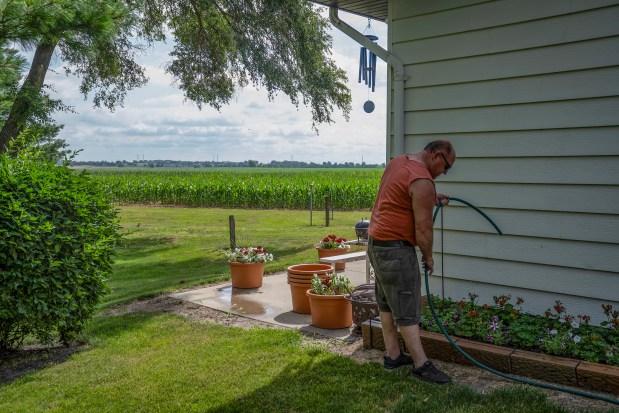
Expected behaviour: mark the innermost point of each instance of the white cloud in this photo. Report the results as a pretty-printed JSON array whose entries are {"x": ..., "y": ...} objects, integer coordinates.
[{"x": 157, "y": 122}]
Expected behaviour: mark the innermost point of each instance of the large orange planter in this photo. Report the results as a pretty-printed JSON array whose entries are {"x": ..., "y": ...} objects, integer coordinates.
[
  {"x": 246, "y": 274},
  {"x": 330, "y": 252},
  {"x": 299, "y": 279},
  {"x": 330, "y": 311}
]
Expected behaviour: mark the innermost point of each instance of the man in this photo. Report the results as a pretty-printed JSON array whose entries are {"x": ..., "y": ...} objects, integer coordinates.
[{"x": 402, "y": 219}]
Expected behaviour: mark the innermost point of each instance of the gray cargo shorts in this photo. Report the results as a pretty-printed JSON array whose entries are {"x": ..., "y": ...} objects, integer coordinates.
[{"x": 398, "y": 281}]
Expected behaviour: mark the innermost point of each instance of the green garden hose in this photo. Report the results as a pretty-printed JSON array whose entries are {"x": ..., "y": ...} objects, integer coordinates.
[{"x": 483, "y": 366}]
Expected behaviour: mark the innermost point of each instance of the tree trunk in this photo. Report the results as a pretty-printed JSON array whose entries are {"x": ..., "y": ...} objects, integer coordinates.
[{"x": 34, "y": 82}]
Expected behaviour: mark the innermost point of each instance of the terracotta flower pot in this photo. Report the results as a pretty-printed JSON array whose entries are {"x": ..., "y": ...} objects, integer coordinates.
[
  {"x": 298, "y": 281},
  {"x": 310, "y": 269},
  {"x": 304, "y": 278},
  {"x": 330, "y": 252},
  {"x": 246, "y": 274},
  {"x": 300, "y": 303},
  {"x": 330, "y": 311},
  {"x": 298, "y": 286}
]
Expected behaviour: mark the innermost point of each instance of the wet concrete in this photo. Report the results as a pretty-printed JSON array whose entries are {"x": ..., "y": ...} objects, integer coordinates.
[{"x": 271, "y": 303}]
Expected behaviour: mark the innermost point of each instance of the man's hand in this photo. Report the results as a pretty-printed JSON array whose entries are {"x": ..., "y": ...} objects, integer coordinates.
[
  {"x": 428, "y": 263},
  {"x": 442, "y": 199}
]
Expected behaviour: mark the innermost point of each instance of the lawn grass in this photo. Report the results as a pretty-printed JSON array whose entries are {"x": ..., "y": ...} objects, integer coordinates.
[
  {"x": 169, "y": 248},
  {"x": 151, "y": 362}
]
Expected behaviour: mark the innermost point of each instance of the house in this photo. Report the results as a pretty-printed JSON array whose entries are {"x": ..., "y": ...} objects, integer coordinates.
[{"x": 528, "y": 92}]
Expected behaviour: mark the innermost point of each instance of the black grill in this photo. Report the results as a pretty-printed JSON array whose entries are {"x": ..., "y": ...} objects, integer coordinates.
[{"x": 361, "y": 229}]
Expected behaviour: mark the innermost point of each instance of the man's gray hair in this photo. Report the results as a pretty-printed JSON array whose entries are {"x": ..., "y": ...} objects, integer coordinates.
[{"x": 440, "y": 146}]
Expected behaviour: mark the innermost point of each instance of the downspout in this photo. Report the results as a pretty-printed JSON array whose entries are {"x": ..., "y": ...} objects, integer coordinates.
[{"x": 399, "y": 77}]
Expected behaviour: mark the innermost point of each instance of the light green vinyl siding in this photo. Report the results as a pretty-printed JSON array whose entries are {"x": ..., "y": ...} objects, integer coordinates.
[{"x": 528, "y": 92}]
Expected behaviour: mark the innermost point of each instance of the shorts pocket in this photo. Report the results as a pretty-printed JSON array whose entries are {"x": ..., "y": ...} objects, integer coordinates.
[{"x": 389, "y": 271}]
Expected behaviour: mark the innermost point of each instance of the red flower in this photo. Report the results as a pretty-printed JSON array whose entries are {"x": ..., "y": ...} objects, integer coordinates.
[{"x": 325, "y": 239}]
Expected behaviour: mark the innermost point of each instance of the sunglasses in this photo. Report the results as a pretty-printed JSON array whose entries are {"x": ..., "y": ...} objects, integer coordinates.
[{"x": 447, "y": 164}]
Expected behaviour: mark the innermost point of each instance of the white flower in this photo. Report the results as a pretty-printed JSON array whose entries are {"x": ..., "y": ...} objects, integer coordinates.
[
  {"x": 575, "y": 324},
  {"x": 552, "y": 333},
  {"x": 609, "y": 354},
  {"x": 576, "y": 339}
]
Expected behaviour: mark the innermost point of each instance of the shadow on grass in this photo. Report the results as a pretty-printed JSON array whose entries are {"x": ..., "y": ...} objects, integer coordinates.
[
  {"x": 309, "y": 380},
  {"x": 335, "y": 384},
  {"x": 18, "y": 363}
]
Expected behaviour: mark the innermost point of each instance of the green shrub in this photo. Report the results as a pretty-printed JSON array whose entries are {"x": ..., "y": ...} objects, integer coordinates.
[{"x": 57, "y": 236}]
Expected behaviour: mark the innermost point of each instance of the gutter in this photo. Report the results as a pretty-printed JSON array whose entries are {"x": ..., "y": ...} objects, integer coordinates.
[{"x": 399, "y": 77}]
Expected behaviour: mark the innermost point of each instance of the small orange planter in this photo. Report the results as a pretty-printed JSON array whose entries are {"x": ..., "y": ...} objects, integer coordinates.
[
  {"x": 330, "y": 311},
  {"x": 246, "y": 274},
  {"x": 331, "y": 252},
  {"x": 300, "y": 303}
]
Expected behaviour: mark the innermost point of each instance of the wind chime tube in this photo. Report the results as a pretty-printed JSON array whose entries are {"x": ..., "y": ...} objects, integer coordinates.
[
  {"x": 362, "y": 64},
  {"x": 373, "y": 64}
]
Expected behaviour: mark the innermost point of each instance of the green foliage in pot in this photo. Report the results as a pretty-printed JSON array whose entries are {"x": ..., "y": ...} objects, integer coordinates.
[
  {"x": 331, "y": 284},
  {"x": 250, "y": 254},
  {"x": 57, "y": 238},
  {"x": 332, "y": 241}
]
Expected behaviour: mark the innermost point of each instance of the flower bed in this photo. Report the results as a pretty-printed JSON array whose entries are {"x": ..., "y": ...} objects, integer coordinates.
[{"x": 555, "y": 333}]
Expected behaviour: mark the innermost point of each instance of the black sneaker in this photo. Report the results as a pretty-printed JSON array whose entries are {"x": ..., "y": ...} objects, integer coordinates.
[
  {"x": 401, "y": 361},
  {"x": 431, "y": 374}
]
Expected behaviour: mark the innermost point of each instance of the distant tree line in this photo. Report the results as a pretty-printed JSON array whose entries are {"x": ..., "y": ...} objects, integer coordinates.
[{"x": 211, "y": 164}]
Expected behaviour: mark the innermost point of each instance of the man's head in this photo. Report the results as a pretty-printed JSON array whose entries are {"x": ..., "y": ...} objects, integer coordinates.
[{"x": 440, "y": 155}]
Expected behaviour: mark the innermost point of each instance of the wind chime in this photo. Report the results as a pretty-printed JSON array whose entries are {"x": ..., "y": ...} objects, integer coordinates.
[{"x": 367, "y": 67}]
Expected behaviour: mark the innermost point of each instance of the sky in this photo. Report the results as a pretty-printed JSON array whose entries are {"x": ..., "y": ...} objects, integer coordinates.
[{"x": 156, "y": 122}]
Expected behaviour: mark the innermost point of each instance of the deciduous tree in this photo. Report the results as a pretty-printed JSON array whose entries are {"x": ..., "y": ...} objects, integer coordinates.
[{"x": 219, "y": 45}]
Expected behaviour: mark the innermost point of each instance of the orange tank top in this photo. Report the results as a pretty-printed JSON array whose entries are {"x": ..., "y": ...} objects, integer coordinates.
[{"x": 392, "y": 214}]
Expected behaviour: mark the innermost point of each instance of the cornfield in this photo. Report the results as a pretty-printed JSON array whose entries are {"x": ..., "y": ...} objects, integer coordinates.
[{"x": 257, "y": 188}]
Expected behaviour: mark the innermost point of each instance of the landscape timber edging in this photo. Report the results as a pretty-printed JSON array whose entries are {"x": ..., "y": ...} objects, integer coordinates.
[{"x": 552, "y": 369}]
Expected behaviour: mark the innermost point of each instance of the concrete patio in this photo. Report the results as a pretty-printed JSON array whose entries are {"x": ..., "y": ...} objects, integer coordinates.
[{"x": 271, "y": 303}]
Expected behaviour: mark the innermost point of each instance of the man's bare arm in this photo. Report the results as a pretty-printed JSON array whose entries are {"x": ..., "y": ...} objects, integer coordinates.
[{"x": 423, "y": 194}]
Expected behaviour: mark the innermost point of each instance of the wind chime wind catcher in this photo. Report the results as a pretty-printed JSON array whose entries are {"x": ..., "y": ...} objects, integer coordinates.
[{"x": 367, "y": 67}]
